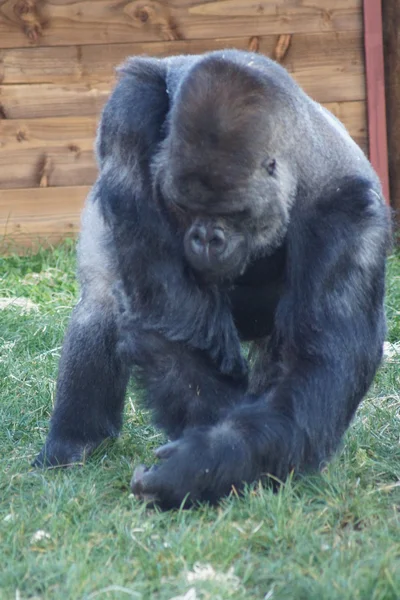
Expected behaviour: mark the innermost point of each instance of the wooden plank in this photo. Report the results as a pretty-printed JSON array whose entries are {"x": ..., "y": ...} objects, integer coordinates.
[
  {"x": 375, "y": 78},
  {"x": 339, "y": 51},
  {"x": 50, "y": 152},
  {"x": 23, "y": 245},
  {"x": 354, "y": 116},
  {"x": 40, "y": 65},
  {"x": 83, "y": 22},
  {"x": 52, "y": 100},
  {"x": 48, "y": 100},
  {"x": 41, "y": 215},
  {"x": 391, "y": 43},
  {"x": 77, "y": 82},
  {"x": 58, "y": 151}
]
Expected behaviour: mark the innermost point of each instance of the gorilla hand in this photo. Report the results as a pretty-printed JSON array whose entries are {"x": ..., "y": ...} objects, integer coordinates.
[
  {"x": 204, "y": 465},
  {"x": 254, "y": 439}
]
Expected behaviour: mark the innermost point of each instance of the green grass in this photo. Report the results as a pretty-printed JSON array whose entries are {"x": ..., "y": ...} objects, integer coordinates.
[{"x": 79, "y": 533}]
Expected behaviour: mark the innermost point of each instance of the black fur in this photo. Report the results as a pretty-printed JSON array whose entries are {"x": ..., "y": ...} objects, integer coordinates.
[{"x": 228, "y": 207}]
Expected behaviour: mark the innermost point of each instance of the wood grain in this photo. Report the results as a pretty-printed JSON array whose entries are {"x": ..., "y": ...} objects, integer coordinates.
[
  {"x": 59, "y": 148},
  {"x": 80, "y": 64},
  {"x": 354, "y": 116},
  {"x": 24, "y": 23},
  {"x": 49, "y": 100},
  {"x": 52, "y": 100}
]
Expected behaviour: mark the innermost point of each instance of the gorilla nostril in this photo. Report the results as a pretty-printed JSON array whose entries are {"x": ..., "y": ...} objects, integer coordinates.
[
  {"x": 197, "y": 244},
  {"x": 216, "y": 240},
  {"x": 198, "y": 239}
]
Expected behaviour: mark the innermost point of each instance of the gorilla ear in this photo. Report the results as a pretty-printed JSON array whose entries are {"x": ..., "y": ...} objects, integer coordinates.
[{"x": 269, "y": 164}]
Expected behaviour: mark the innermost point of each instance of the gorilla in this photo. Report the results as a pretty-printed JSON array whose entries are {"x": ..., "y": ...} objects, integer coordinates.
[{"x": 229, "y": 208}]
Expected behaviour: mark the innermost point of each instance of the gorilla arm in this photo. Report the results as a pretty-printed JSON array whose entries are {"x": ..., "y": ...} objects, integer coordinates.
[
  {"x": 163, "y": 296},
  {"x": 329, "y": 334}
]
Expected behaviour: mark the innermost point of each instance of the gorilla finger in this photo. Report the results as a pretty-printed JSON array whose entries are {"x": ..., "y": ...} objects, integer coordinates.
[
  {"x": 141, "y": 482},
  {"x": 167, "y": 450},
  {"x": 137, "y": 480},
  {"x": 153, "y": 483}
]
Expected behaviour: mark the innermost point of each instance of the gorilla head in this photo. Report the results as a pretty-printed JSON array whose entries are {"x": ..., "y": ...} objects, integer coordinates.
[{"x": 221, "y": 169}]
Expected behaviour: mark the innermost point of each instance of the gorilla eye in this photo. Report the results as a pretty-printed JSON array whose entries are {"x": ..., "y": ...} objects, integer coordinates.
[{"x": 269, "y": 165}]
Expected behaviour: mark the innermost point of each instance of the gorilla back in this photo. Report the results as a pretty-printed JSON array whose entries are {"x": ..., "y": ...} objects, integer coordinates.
[{"x": 229, "y": 206}]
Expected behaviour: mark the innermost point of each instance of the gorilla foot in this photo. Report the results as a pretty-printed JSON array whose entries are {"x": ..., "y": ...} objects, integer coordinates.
[{"x": 63, "y": 453}]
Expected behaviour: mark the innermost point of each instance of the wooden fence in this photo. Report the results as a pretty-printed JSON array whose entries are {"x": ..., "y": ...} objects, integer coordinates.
[{"x": 57, "y": 60}]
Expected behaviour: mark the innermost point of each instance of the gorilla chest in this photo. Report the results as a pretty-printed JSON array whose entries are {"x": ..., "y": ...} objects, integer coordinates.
[{"x": 256, "y": 294}]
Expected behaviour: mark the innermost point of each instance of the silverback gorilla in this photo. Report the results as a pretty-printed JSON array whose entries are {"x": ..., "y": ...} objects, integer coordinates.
[{"x": 229, "y": 207}]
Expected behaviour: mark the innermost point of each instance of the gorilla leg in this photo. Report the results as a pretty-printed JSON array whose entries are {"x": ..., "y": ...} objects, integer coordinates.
[
  {"x": 92, "y": 375},
  {"x": 90, "y": 390}
]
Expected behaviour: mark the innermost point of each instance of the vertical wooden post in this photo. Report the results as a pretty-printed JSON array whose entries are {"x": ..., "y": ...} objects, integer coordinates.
[
  {"x": 391, "y": 47},
  {"x": 376, "y": 91}
]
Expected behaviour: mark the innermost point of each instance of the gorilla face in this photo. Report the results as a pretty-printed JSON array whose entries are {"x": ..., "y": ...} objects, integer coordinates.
[{"x": 227, "y": 224}]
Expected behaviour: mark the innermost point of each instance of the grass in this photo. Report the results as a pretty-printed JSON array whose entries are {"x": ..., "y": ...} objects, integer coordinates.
[{"x": 79, "y": 533}]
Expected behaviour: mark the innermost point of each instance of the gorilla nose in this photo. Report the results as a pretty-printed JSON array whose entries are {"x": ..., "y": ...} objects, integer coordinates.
[{"x": 207, "y": 238}]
